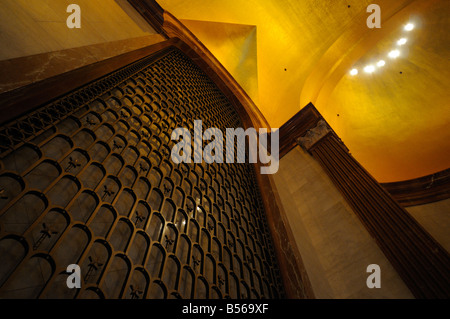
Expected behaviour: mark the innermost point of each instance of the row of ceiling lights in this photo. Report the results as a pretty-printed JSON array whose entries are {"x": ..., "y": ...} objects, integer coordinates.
[{"x": 392, "y": 54}]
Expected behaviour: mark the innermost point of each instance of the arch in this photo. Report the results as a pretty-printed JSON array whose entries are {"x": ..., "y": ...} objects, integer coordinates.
[
  {"x": 171, "y": 273},
  {"x": 50, "y": 227},
  {"x": 13, "y": 249},
  {"x": 99, "y": 151},
  {"x": 186, "y": 286},
  {"x": 23, "y": 213},
  {"x": 125, "y": 202},
  {"x": 139, "y": 284},
  {"x": 64, "y": 190},
  {"x": 121, "y": 234},
  {"x": 38, "y": 269},
  {"x": 201, "y": 288},
  {"x": 11, "y": 185},
  {"x": 22, "y": 158},
  {"x": 141, "y": 215},
  {"x": 103, "y": 220},
  {"x": 71, "y": 246},
  {"x": 155, "y": 261},
  {"x": 128, "y": 176},
  {"x": 116, "y": 276},
  {"x": 61, "y": 144},
  {"x": 157, "y": 290},
  {"x": 43, "y": 174},
  {"x": 155, "y": 227},
  {"x": 139, "y": 248},
  {"x": 95, "y": 261}
]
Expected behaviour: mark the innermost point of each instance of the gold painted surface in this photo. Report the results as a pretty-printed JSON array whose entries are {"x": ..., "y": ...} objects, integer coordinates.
[
  {"x": 397, "y": 126},
  {"x": 234, "y": 45}
]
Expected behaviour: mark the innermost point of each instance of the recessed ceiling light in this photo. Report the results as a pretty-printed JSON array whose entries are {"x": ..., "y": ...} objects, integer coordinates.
[
  {"x": 353, "y": 71},
  {"x": 369, "y": 69},
  {"x": 402, "y": 41},
  {"x": 409, "y": 27},
  {"x": 381, "y": 63},
  {"x": 394, "y": 54}
]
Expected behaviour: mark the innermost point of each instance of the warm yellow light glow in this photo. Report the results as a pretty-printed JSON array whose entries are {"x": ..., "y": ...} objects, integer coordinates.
[
  {"x": 369, "y": 69},
  {"x": 394, "y": 54},
  {"x": 353, "y": 71},
  {"x": 381, "y": 63},
  {"x": 409, "y": 27},
  {"x": 402, "y": 41}
]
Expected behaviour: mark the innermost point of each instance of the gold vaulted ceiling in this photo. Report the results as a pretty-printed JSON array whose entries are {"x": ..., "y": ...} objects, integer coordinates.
[{"x": 287, "y": 53}]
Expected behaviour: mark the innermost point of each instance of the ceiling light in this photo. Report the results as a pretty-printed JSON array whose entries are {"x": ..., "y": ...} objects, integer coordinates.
[
  {"x": 394, "y": 54},
  {"x": 402, "y": 41},
  {"x": 353, "y": 71},
  {"x": 409, "y": 27},
  {"x": 381, "y": 63},
  {"x": 369, "y": 69}
]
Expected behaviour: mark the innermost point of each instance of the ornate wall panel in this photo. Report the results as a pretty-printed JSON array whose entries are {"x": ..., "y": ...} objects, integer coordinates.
[{"x": 87, "y": 179}]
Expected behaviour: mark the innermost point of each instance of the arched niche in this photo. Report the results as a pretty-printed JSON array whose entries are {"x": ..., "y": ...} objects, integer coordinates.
[
  {"x": 22, "y": 158},
  {"x": 140, "y": 248},
  {"x": 121, "y": 235},
  {"x": 43, "y": 175},
  {"x": 23, "y": 213},
  {"x": 37, "y": 270},
  {"x": 71, "y": 246},
  {"x": 155, "y": 261},
  {"x": 116, "y": 275},
  {"x": 12, "y": 249}
]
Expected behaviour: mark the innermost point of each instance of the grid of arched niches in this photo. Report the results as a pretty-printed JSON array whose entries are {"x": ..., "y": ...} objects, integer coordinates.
[{"x": 98, "y": 189}]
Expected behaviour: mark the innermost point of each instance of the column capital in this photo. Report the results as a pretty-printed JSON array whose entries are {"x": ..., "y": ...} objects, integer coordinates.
[{"x": 314, "y": 135}]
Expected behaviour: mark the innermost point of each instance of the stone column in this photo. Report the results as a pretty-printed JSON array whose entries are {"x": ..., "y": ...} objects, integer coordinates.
[{"x": 422, "y": 263}]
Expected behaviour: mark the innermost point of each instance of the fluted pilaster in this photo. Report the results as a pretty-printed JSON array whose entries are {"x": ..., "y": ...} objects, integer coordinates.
[{"x": 423, "y": 264}]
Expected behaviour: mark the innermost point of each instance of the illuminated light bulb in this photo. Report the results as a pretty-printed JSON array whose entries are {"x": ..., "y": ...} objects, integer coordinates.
[
  {"x": 353, "y": 71},
  {"x": 380, "y": 63},
  {"x": 409, "y": 27},
  {"x": 369, "y": 69},
  {"x": 394, "y": 54},
  {"x": 402, "y": 41}
]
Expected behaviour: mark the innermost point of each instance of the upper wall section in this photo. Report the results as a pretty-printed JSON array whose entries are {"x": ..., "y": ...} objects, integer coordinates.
[
  {"x": 40, "y": 45},
  {"x": 38, "y": 26}
]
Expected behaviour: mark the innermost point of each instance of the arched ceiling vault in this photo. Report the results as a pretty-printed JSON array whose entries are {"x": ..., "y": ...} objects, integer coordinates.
[{"x": 287, "y": 53}]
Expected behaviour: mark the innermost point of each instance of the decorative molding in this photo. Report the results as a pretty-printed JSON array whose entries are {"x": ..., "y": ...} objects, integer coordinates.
[
  {"x": 21, "y": 71},
  {"x": 296, "y": 127},
  {"x": 422, "y": 190},
  {"x": 23, "y": 100}
]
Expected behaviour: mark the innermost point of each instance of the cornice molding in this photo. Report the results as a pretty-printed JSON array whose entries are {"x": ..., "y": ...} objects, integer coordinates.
[{"x": 423, "y": 190}]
